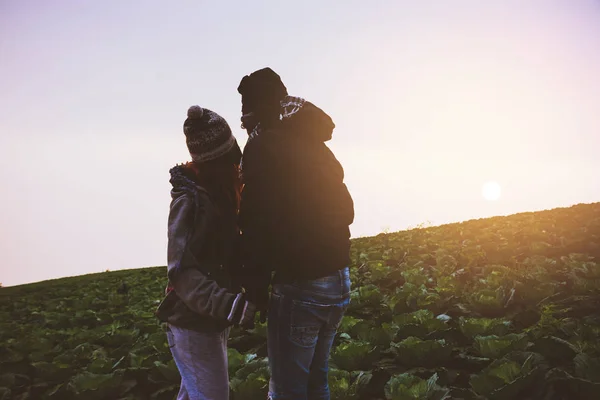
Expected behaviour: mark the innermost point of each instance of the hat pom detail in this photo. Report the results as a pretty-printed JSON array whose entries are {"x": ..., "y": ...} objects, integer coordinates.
[{"x": 195, "y": 112}]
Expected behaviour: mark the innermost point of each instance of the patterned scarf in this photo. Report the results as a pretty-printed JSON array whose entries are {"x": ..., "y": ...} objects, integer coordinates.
[{"x": 290, "y": 105}]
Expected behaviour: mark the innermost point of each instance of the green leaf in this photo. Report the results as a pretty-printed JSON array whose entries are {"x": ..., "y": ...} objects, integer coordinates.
[
  {"x": 506, "y": 378},
  {"x": 119, "y": 361},
  {"x": 496, "y": 346},
  {"x": 100, "y": 366},
  {"x": 9, "y": 355},
  {"x": 168, "y": 392},
  {"x": 251, "y": 367},
  {"x": 378, "y": 270},
  {"x": 251, "y": 381},
  {"x": 415, "y": 276},
  {"x": 254, "y": 388},
  {"x": 463, "y": 393},
  {"x": 361, "y": 383},
  {"x": 259, "y": 330},
  {"x": 418, "y": 317},
  {"x": 587, "y": 367},
  {"x": 555, "y": 349},
  {"x": 235, "y": 360},
  {"x": 168, "y": 372},
  {"x": 497, "y": 375},
  {"x": 471, "y": 327},
  {"x": 369, "y": 332},
  {"x": 7, "y": 380},
  {"x": 488, "y": 301},
  {"x": 419, "y": 324},
  {"x": 416, "y": 352},
  {"x": 339, "y": 384},
  {"x": 57, "y": 391},
  {"x": 53, "y": 372},
  {"x": 347, "y": 324},
  {"x": 582, "y": 389},
  {"x": 368, "y": 295},
  {"x": 87, "y": 381},
  {"x": 354, "y": 356},
  {"x": 136, "y": 360},
  {"x": 5, "y": 393},
  {"x": 408, "y": 387}
]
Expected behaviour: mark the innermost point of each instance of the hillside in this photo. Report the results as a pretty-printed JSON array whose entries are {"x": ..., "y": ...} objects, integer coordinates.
[{"x": 498, "y": 308}]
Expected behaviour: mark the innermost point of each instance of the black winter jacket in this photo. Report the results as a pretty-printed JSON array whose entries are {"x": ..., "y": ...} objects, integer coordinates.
[{"x": 296, "y": 210}]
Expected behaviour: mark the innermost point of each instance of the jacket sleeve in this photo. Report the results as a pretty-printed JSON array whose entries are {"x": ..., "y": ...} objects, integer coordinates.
[
  {"x": 346, "y": 205},
  {"x": 199, "y": 293},
  {"x": 345, "y": 202},
  {"x": 255, "y": 182},
  {"x": 259, "y": 206}
]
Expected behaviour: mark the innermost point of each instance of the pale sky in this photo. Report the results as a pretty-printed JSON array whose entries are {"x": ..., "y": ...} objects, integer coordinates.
[{"x": 431, "y": 100}]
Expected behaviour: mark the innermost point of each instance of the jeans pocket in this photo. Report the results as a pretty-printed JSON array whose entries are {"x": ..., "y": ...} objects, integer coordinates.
[
  {"x": 306, "y": 320},
  {"x": 304, "y": 336}
]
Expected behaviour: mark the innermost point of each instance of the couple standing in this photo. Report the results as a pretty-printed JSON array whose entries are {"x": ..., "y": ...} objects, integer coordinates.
[{"x": 277, "y": 216}]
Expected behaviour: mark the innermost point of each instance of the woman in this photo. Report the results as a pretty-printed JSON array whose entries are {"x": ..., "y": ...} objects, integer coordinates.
[
  {"x": 201, "y": 303},
  {"x": 295, "y": 215}
]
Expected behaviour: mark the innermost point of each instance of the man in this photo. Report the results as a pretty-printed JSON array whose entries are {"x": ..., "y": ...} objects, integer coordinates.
[{"x": 294, "y": 216}]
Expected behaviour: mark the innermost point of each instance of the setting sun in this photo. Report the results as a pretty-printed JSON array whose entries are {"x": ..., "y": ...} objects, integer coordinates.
[{"x": 491, "y": 191}]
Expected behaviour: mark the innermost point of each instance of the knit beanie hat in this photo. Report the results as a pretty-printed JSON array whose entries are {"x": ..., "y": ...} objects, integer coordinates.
[
  {"x": 261, "y": 91},
  {"x": 207, "y": 134}
]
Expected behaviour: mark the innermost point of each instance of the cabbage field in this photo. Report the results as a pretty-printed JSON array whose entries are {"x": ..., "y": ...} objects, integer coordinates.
[{"x": 500, "y": 308}]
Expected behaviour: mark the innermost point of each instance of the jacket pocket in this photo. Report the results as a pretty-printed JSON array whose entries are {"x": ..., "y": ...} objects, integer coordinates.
[{"x": 166, "y": 307}]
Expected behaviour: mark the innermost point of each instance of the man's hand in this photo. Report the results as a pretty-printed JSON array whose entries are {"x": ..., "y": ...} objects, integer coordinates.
[{"x": 256, "y": 283}]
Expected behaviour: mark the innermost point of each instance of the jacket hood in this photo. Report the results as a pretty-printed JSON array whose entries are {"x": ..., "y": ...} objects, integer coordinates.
[
  {"x": 303, "y": 117},
  {"x": 182, "y": 179}
]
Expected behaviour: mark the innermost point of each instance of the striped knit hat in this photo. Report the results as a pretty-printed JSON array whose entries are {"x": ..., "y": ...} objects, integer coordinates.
[{"x": 207, "y": 134}]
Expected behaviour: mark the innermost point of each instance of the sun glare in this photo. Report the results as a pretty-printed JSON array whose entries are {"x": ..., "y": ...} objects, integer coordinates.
[{"x": 491, "y": 191}]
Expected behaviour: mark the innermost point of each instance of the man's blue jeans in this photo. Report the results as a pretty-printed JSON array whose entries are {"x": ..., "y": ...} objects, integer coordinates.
[{"x": 303, "y": 320}]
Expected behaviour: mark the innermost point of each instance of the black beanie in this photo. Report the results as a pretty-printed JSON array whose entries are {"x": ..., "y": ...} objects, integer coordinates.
[{"x": 261, "y": 92}]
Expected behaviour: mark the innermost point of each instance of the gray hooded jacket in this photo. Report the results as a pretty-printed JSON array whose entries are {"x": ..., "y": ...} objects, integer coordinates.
[{"x": 200, "y": 257}]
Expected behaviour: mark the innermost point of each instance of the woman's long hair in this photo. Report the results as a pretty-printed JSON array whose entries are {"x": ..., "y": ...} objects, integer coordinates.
[{"x": 221, "y": 178}]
